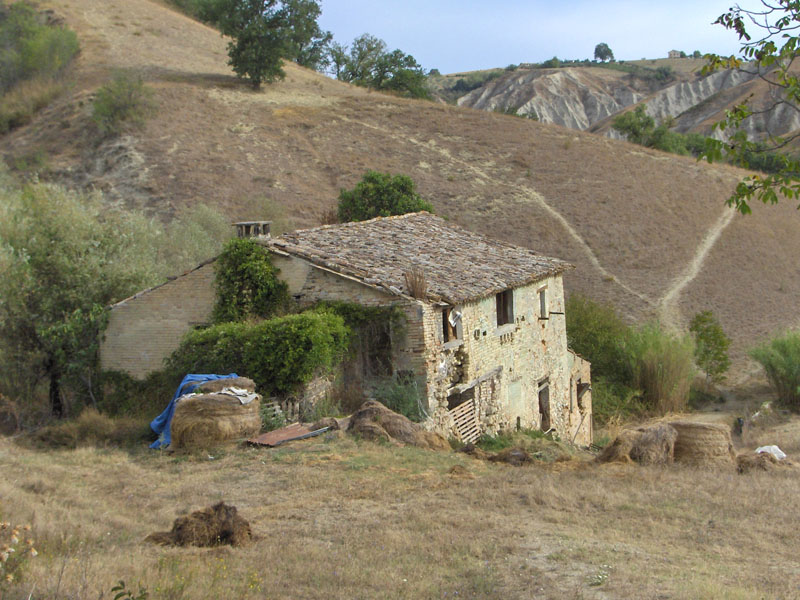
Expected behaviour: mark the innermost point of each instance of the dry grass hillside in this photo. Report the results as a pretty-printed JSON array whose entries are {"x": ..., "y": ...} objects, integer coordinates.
[{"x": 648, "y": 231}]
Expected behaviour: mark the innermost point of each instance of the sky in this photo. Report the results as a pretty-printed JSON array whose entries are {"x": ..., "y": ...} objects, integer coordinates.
[{"x": 466, "y": 35}]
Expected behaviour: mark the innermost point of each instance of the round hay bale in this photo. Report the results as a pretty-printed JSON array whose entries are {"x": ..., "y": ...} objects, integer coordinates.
[
  {"x": 217, "y": 385},
  {"x": 209, "y": 419},
  {"x": 703, "y": 443},
  {"x": 653, "y": 445}
]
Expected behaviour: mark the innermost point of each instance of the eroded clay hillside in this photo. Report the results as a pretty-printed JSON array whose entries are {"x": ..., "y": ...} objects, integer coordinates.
[{"x": 649, "y": 232}]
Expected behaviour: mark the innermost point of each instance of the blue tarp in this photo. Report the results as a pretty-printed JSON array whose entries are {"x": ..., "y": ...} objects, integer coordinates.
[{"x": 161, "y": 424}]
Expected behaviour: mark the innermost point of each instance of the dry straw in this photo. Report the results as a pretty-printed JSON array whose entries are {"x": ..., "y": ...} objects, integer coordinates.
[
  {"x": 208, "y": 419},
  {"x": 212, "y": 526},
  {"x": 416, "y": 283}
]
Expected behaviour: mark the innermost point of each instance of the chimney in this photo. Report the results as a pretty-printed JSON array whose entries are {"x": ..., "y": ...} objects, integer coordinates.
[{"x": 253, "y": 229}]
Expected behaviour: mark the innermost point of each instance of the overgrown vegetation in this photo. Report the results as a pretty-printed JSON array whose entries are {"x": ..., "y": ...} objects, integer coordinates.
[
  {"x": 380, "y": 195},
  {"x": 123, "y": 103},
  {"x": 64, "y": 257},
  {"x": 247, "y": 284},
  {"x": 711, "y": 345},
  {"x": 635, "y": 370},
  {"x": 33, "y": 57},
  {"x": 402, "y": 395},
  {"x": 279, "y": 354},
  {"x": 780, "y": 358}
]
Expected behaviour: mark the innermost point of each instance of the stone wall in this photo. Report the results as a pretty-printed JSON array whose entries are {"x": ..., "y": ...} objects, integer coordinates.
[{"x": 146, "y": 328}]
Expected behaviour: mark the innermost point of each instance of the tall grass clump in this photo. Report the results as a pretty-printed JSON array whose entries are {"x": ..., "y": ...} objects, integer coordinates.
[
  {"x": 662, "y": 368},
  {"x": 33, "y": 57},
  {"x": 124, "y": 102},
  {"x": 780, "y": 358}
]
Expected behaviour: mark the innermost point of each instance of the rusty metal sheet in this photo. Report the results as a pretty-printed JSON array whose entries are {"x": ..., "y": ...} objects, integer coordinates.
[{"x": 295, "y": 431}]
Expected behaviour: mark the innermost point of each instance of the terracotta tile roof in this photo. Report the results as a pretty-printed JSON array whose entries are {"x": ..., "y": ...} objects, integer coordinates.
[{"x": 459, "y": 265}]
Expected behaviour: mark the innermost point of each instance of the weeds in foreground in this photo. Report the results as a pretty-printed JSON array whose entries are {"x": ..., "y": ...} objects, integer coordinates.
[{"x": 16, "y": 549}]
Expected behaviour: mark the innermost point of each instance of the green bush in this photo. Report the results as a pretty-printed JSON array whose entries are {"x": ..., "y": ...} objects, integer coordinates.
[
  {"x": 279, "y": 354},
  {"x": 780, "y": 358},
  {"x": 380, "y": 195},
  {"x": 247, "y": 283},
  {"x": 613, "y": 400},
  {"x": 711, "y": 345},
  {"x": 30, "y": 48},
  {"x": 596, "y": 332},
  {"x": 124, "y": 102},
  {"x": 401, "y": 396},
  {"x": 662, "y": 367}
]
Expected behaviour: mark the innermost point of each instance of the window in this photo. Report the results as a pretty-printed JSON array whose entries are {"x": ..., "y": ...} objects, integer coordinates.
[
  {"x": 505, "y": 307},
  {"x": 451, "y": 323},
  {"x": 544, "y": 404},
  {"x": 543, "y": 312}
]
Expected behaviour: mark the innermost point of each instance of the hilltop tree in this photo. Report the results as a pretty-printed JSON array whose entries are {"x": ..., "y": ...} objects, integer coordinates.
[
  {"x": 264, "y": 32},
  {"x": 603, "y": 52},
  {"x": 367, "y": 63},
  {"x": 771, "y": 56},
  {"x": 380, "y": 195}
]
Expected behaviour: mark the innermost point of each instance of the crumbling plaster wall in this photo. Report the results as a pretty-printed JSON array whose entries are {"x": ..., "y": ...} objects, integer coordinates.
[{"x": 507, "y": 364}]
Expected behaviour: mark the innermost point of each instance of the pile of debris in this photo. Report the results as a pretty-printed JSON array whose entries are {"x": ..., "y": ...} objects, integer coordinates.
[
  {"x": 216, "y": 525},
  {"x": 373, "y": 421}
]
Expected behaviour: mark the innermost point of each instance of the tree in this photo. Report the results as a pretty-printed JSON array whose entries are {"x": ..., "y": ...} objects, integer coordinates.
[
  {"x": 697, "y": 54},
  {"x": 369, "y": 64},
  {"x": 380, "y": 195},
  {"x": 63, "y": 259},
  {"x": 770, "y": 56},
  {"x": 603, "y": 52},
  {"x": 640, "y": 128},
  {"x": 711, "y": 345},
  {"x": 266, "y": 31}
]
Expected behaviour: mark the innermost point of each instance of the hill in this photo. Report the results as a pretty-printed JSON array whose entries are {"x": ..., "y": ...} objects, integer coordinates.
[{"x": 648, "y": 231}]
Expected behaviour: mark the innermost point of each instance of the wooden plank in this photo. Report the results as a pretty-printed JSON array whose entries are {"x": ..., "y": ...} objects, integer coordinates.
[{"x": 466, "y": 421}]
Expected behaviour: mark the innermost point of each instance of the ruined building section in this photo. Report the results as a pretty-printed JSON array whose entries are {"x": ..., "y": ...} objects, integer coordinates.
[{"x": 484, "y": 337}]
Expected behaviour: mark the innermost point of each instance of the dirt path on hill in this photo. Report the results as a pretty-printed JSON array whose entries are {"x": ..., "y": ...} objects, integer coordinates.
[{"x": 668, "y": 310}]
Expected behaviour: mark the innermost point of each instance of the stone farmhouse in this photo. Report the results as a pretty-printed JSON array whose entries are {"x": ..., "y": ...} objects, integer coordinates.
[{"x": 484, "y": 333}]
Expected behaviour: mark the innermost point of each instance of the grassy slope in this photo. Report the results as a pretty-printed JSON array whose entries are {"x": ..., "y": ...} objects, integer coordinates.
[
  {"x": 340, "y": 519},
  {"x": 631, "y": 219}
]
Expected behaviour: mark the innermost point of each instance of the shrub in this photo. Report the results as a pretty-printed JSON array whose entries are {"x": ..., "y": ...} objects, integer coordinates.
[
  {"x": 661, "y": 367},
  {"x": 612, "y": 400},
  {"x": 780, "y": 358},
  {"x": 18, "y": 106},
  {"x": 247, "y": 283},
  {"x": 279, "y": 354},
  {"x": 711, "y": 345},
  {"x": 402, "y": 396},
  {"x": 596, "y": 332},
  {"x": 380, "y": 195},
  {"x": 124, "y": 102}
]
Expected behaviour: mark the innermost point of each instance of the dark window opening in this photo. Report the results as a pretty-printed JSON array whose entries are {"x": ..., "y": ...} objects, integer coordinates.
[
  {"x": 544, "y": 404},
  {"x": 505, "y": 307},
  {"x": 543, "y": 313},
  {"x": 459, "y": 399},
  {"x": 450, "y": 324}
]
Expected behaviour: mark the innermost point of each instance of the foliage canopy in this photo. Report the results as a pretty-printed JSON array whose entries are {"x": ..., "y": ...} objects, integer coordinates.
[
  {"x": 770, "y": 55},
  {"x": 711, "y": 345},
  {"x": 380, "y": 195},
  {"x": 603, "y": 52},
  {"x": 247, "y": 283},
  {"x": 264, "y": 32}
]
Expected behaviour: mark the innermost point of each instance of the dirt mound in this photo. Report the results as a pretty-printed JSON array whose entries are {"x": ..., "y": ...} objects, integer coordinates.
[
  {"x": 703, "y": 443},
  {"x": 512, "y": 456},
  {"x": 217, "y": 385},
  {"x": 763, "y": 461},
  {"x": 213, "y": 526},
  {"x": 373, "y": 421},
  {"x": 475, "y": 452},
  {"x": 213, "y": 418},
  {"x": 654, "y": 445}
]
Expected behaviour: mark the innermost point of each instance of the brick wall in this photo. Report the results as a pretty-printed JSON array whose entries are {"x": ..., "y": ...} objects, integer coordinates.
[{"x": 145, "y": 329}]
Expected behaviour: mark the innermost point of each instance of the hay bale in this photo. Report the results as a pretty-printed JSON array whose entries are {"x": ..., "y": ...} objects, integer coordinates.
[
  {"x": 213, "y": 526},
  {"x": 373, "y": 421},
  {"x": 217, "y": 385},
  {"x": 653, "y": 445},
  {"x": 763, "y": 461},
  {"x": 703, "y": 443},
  {"x": 209, "y": 419}
]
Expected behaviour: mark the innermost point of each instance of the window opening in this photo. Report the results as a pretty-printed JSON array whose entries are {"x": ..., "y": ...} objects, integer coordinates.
[
  {"x": 505, "y": 307},
  {"x": 543, "y": 313},
  {"x": 450, "y": 324},
  {"x": 544, "y": 404}
]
